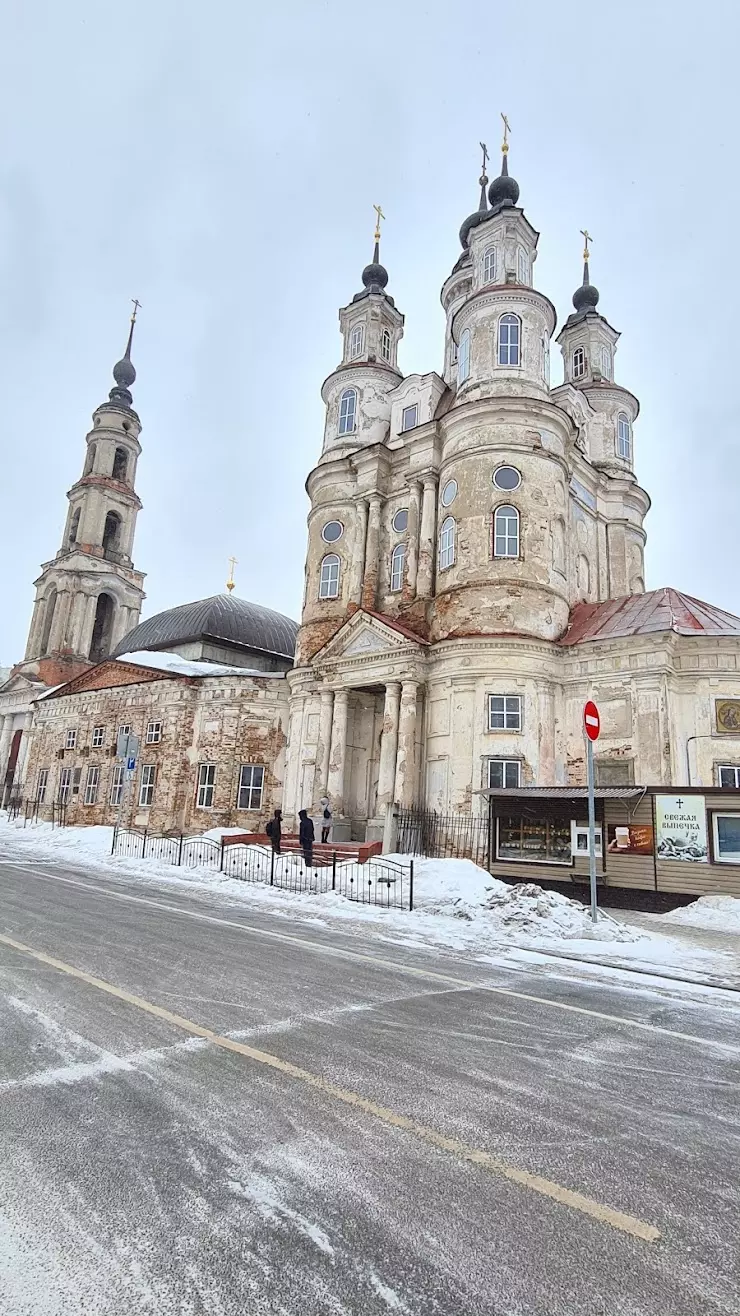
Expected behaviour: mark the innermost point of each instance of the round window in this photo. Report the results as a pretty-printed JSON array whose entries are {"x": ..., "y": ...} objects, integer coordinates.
[
  {"x": 401, "y": 519},
  {"x": 449, "y": 492},
  {"x": 333, "y": 530},
  {"x": 507, "y": 477}
]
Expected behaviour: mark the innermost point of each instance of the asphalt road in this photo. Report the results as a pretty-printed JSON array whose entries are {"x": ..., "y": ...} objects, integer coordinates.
[{"x": 208, "y": 1112}]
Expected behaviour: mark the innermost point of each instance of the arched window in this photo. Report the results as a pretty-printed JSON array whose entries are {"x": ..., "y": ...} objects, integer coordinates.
[
  {"x": 356, "y": 341},
  {"x": 102, "y": 634},
  {"x": 489, "y": 266},
  {"x": 385, "y": 344},
  {"x": 558, "y": 545},
  {"x": 447, "y": 543},
  {"x": 506, "y": 532},
  {"x": 584, "y": 577},
  {"x": 463, "y": 357},
  {"x": 509, "y": 333},
  {"x": 120, "y": 464},
  {"x": 398, "y": 559},
  {"x": 347, "y": 411},
  {"x": 606, "y": 362},
  {"x": 74, "y": 526},
  {"x": 329, "y": 578},
  {"x": 522, "y": 265},
  {"x": 579, "y": 363},
  {"x": 111, "y": 532},
  {"x": 90, "y": 458},
  {"x": 51, "y": 603},
  {"x": 624, "y": 436}
]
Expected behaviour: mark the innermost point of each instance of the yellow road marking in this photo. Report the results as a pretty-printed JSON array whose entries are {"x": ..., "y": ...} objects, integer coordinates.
[{"x": 628, "y": 1224}]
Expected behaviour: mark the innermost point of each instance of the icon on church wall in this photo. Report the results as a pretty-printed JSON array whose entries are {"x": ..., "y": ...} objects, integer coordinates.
[{"x": 727, "y": 712}]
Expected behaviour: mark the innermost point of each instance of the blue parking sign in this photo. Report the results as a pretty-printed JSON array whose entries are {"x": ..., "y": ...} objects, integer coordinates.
[{"x": 131, "y": 764}]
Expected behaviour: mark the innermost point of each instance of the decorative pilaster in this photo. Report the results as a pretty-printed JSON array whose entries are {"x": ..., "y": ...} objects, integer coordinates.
[
  {"x": 357, "y": 569},
  {"x": 389, "y": 746},
  {"x": 406, "y": 755},
  {"x": 338, "y": 754},
  {"x": 425, "y": 572},
  {"x": 412, "y": 551},
  {"x": 324, "y": 746},
  {"x": 370, "y": 579}
]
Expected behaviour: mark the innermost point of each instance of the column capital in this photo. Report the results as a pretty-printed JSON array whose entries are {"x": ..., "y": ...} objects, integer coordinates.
[
  {"x": 327, "y": 694},
  {"x": 392, "y": 690},
  {"x": 410, "y": 687},
  {"x": 341, "y": 695},
  {"x": 430, "y": 481}
]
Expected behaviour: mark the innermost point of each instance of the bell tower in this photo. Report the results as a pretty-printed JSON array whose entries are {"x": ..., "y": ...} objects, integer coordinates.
[{"x": 89, "y": 595}]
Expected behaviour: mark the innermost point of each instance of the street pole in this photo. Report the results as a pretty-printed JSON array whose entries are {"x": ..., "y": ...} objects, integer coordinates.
[{"x": 591, "y": 827}]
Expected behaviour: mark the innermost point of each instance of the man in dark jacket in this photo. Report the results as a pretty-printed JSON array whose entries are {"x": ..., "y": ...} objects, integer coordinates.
[
  {"x": 274, "y": 830},
  {"x": 306, "y": 837}
]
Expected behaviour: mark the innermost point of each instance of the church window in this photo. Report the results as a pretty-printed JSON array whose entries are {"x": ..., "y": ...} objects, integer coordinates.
[
  {"x": 385, "y": 344},
  {"x": 401, "y": 520},
  {"x": 116, "y": 784},
  {"x": 504, "y": 774},
  {"x": 251, "y": 785},
  {"x": 51, "y": 603},
  {"x": 449, "y": 493},
  {"x": 509, "y": 331},
  {"x": 329, "y": 578},
  {"x": 463, "y": 357},
  {"x": 74, "y": 525},
  {"x": 90, "y": 458},
  {"x": 146, "y": 786},
  {"x": 65, "y": 785},
  {"x": 624, "y": 436},
  {"x": 70, "y": 740},
  {"x": 409, "y": 417},
  {"x": 398, "y": 559},
  {"x": 92, "y": 782},
  {"x": 489, "y": 265},
  {"x": 206, "y": 785},
  {"x": 504, "y": 712},
  {"x": 506, "y": 532},
  {"x": 347, "y": 411},
  {"x": 447, "y": 543},
  {"x": 102, "y": 633},
  {"x": 728, "y": 776},
  {"x": 42, "y": 782},
  {"x": 522, "y": 265},
  {"x": 507, "y": 477},
  {"x": 606, "y": 363},
  {"x": 356, "y": 341},
  {"x": 98, "y": 737},
  {"x": 110, "y": 532},
  {"x": 579, "y": 363},
  {"x": 120, "y": 464},
  {"x": 332, "y": 531}
]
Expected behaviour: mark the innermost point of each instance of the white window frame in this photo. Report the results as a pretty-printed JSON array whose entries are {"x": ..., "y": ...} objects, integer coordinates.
[
  {"x": 153, "y": 732},
  {"x": 463, "y": 357},
  {"x": 146, "y": 785},
  {"x": 65, "y": 785},
  {"x": 386, "y": 344},
  {"x": 506, "y": 765},
  {"x": 522, "y": 265},
  {"x": 400, "y": 529},
  {"x": 410, "y": 417},
  {"x": 580, "y": 846},
  {"x": 356, "y": 341},
  {"x": 92, "y": 784},
  {"x": 124, "y": 730},
  {"x": 206, "y": 786},
  {"x": 250, "y": 791},
  {"x": 117, "y": 781},
  {"x": 348, "y": 413},
  {"x": 42, "y": 782},
  {"x": 398, "y": 564},
  {"x": 97, "y": 739},
  {"x": 503, "y": 538},
  {"x": 734, "y": 858},
  {"x": 606, "y": 361},
  {"x": 447, "y": 543},
  {"x": 579, "y": 362},
  {"x": 624, "y": 436},
  {"x": 489, "y": 266},
  {"x": 329, "y": 574},
  {"x": 509, "y": 340},
  {"x": 507, "y": 708},
  {"x": 70, "y": 741},
  {"x": 728, "y": 767}
]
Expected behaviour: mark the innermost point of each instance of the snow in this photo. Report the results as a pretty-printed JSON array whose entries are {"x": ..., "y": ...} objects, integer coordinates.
[
  {"x": 179, "y": 666},
  {"x": 720, "y": 912},
  {"x": 215, "y": 833}
]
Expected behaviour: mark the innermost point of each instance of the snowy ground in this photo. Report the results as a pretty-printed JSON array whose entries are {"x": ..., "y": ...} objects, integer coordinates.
[{"x": 458, "y": 906}]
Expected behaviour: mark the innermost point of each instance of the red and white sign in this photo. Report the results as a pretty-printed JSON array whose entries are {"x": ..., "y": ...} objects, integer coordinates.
[{"x": 591, "y": 720}]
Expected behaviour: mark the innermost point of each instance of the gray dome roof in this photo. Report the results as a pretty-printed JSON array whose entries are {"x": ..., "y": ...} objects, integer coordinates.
[{"x": 223, "y": 617}]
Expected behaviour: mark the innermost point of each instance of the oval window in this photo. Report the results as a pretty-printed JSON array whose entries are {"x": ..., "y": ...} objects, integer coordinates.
[
  {"x": 507, "y": 477},
  {"x": 449, "y": 492},
  {"x": 401, "y": 519},
  {"x": 333, "y": 530}
]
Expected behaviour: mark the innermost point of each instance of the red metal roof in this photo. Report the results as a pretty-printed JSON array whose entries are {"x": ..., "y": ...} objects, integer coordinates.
[{"x": 644, "y": 614}]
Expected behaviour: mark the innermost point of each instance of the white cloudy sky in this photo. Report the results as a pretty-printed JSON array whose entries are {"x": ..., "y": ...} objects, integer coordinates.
[{"x": 220, "y": 162}]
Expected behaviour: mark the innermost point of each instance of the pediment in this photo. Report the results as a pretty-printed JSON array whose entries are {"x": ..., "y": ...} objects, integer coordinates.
[
  {"x": 365, "y": 635},
  {"x": 21, "y": 685}
]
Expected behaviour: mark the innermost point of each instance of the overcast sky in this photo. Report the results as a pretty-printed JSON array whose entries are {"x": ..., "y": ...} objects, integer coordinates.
[{"x": 220, "y": 163}]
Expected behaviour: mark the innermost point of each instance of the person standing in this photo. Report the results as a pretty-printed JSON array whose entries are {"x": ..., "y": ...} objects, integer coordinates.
[
  {"x": 274, "y": 830},
  {"x": 306, "y": 837},
  {"x": 325, "y": 821}
]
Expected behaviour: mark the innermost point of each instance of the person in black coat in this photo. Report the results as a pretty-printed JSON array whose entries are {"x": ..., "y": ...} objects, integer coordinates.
[
  {"x": 275, "y": 831},
  {"x": 306, "y": 837}
]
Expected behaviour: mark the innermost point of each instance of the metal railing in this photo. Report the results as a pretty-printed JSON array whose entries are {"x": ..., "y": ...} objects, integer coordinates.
[
  {"x": 32, "y": 809},
  {"x": 443, "y": 835}
]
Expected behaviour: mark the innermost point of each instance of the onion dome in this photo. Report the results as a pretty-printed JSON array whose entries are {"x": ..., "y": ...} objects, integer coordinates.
[
  {"x": 504, "y": 191},
  {"x": 375, "y": 275},
  {"x": 586, "y": 297},
  {"x": 478, "y": 215},
  {"x": 124, "y": 372}
]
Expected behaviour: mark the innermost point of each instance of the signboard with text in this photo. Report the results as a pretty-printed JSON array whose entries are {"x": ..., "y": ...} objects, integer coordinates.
[{"x": 681, "y": 828}]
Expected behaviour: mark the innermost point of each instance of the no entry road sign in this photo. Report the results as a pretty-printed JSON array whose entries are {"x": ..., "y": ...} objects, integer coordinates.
[{"x": 591, "y": 720}]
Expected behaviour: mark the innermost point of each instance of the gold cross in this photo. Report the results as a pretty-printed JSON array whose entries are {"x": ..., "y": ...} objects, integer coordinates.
[
  {"x": 587, "y": 238},
  {"x": 378, "y": 216},
  {"x": 486, "y": 156},
  {"x": 231, "y": 582},
  {"x": 137, "y": 306},
  {"x": 507, "y": 130}
]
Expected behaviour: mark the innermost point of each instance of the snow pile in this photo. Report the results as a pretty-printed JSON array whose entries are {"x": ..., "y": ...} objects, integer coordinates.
[
  {"x": 179, "y": 666},
  {"x": 215, "y": 833},
  {"x": 719, "y": 912}
]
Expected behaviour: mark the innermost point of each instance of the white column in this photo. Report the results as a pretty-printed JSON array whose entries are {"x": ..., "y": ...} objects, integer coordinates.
[
  {"x": 338, "y": 754},
  {"x": 6, "y": 735},
  {"x": 357, "y": 568},
  {"x": 87, "y": 630},
  {"x": 324, "y": 745},
  {"x": 293, "y": 756},
  {"x": 406, "y": 757},
  {"x": 34, "y": 633},
  {"x": 388, "y": 746},
  {"x": 425, "y": 572},
  {"x": 370, "y": 578},
  {"x": 20, "y": 766},
  {"x": 412, "y": 552},
  {"x": 59, "y": 624}
]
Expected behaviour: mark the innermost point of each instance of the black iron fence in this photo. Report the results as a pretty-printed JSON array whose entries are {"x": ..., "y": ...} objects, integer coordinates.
[
  {"x": 444, "y": 835},
  {"x": 378, "y": 881},
  {"x": 32, "y": 809}
]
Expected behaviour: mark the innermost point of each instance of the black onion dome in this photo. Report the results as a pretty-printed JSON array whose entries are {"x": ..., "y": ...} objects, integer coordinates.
[
  {"x": 124, "y": 373},
  {"x": 477, "y": 216},
  {"x": 223, "y": 617},
  {"x": 586, "y": 298},
  {"x": 504, "y": 191},
  {"x": 375, "y": 275}
]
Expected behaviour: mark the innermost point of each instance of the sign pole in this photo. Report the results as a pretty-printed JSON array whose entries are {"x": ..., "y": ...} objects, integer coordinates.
[{"x": 591, "y": 827}]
